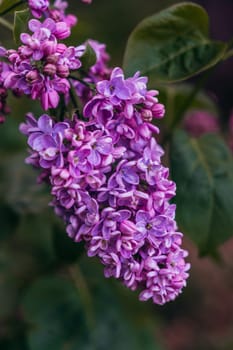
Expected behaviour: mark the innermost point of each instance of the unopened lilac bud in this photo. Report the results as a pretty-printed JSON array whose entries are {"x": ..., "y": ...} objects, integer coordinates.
[
  {"x": 32, "y": 76},
  {"x": 128, "y": 227},
  {"x": 50, "y": 69},
  {"x": 55, "y": 15},
  {"x": 62, "y": 30},
  {"x": 158, "y": 110},
  {"x": 147, "y": 115},
  {"x": 52, "y": 59},
  {"x": 63, "y": 71},
  {"x": 61, "y": 48},
  {"x": 71, "y": 20}
]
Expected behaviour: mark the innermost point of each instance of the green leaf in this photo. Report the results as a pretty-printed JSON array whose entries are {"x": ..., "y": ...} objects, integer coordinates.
[
  {"x": 21, "y": 19},
  {"x": 6, "y": 4},
  {"x": 55, "y": 312},
  {"x": 173, "y": 44},
  {"x": 88, "y": 58},
  {"x": 203, "y": 171}
]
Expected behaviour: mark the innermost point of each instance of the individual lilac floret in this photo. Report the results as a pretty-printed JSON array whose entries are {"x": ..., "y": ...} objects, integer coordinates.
[
  {"x": 110, "y": 188},
  {"x": 45, "y": 139},
  {"x": 38, "y": 7},
  {"x": 199, "y": 122}
]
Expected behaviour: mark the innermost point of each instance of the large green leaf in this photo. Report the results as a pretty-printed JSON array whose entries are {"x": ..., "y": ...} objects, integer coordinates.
[
  {"x": 21, "y": 19},
  {"x": 58, "y": 316},
  {"x": 173, "y": 44},
  {"x": 203, "y": 171},
  {"x": 53, "y": 311}
]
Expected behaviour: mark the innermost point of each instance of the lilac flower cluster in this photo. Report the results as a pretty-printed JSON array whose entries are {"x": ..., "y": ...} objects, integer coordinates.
[
  {"x": 40, "y": 67},
  {"x": 110, "y": 188}
]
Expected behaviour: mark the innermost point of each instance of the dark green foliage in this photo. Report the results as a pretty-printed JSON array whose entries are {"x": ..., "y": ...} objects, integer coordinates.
[
  {"x": 173, "y": 44},
  {"x": 203, "y": 171},
  {"x": 21, "y": 19}
]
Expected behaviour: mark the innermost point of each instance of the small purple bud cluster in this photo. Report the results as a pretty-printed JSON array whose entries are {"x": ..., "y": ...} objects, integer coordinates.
[
  {"x": 199, "y": 122},
  {"x": 42, "y": 8},
  {"x": 110, "y": 188}
]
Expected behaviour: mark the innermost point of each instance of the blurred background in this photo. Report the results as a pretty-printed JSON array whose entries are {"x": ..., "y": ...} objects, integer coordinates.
[{"x": 33, "y": 241}]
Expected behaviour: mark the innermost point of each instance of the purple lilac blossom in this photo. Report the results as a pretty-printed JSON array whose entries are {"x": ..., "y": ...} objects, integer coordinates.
[
  {"x": 42, "y": 8},
  {"x": 38, "y": 7},
  {"x": 110, "y": 188},
  {"x": 40, "y": 67}
]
